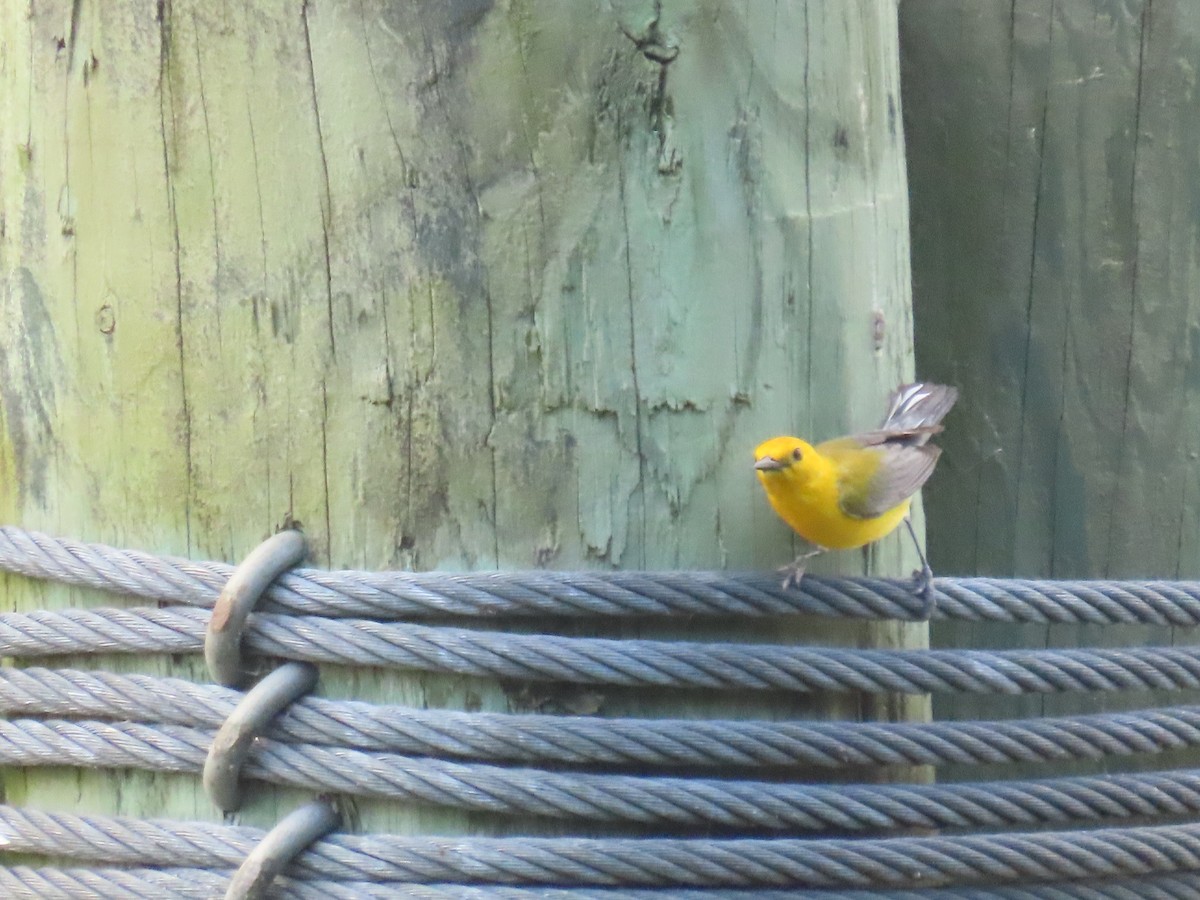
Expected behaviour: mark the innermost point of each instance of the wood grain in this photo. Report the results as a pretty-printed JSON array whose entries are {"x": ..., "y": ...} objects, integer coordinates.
[
  {"x": 456, "y": 286},
  {"x": 1054, "y": 194}
]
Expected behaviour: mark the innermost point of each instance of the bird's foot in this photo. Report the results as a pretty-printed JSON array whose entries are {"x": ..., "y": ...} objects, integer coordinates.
[
  {"x": 923, "y": 588},
  {"x": 922, "y": 577},
  {"x": 793, "y": 573}
]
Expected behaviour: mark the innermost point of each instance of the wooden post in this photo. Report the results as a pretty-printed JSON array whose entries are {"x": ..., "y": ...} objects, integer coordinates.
[
  {"x": 1054, "y": 183},
  {"x": 457, "y": 286}
]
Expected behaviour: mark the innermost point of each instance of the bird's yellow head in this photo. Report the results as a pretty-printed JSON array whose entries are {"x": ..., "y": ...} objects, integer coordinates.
[{"x": 782, "y": 456}]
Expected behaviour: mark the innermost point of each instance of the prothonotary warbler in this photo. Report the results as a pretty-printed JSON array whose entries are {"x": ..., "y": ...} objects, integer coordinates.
[{"x": 851, "y": 491}]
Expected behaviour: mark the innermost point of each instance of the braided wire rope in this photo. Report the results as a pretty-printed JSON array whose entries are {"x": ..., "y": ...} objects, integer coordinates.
[
  {"x": 31, "y": 883},
  {"x": 500, "y": 737},
  {"x": 392, "y": 595},
  {"x": 899, "y": 863},
  {"x": 1183, "y": 887},
  {"x": 616, "y": 798},
  {"x": 346, "y": 618},
  {"x": 540, "y": 657}
]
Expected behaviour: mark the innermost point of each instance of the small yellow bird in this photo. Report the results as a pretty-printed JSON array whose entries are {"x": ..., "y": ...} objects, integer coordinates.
[{"x": 851, "y": 491}]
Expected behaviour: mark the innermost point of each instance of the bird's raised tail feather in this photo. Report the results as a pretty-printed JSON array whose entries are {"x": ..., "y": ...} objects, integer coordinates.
[{"x": 918, "y": 408}]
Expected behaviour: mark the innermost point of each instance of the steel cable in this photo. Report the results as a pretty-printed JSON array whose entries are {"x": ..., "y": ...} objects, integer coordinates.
[
  {"x": 30, "y": 883},
  {"x": 616, "y": 798},
  {"x": 355, "y": 748},
  {"x": 1171, "y": 853},
  {"x": 540, "y": 657},
  {"x": 392, "y": 595},
  {"x": 501, "y": 737}
]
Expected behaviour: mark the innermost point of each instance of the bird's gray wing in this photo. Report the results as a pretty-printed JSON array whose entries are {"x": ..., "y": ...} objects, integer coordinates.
[{"x": 901, "y": 472}]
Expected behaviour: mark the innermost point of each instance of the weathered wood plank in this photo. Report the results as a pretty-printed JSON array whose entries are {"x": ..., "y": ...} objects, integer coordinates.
[{"x": 1053, "y": 182}]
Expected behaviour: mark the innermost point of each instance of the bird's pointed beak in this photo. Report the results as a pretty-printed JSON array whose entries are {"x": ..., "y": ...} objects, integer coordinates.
[{"x": 767, "y": 464}]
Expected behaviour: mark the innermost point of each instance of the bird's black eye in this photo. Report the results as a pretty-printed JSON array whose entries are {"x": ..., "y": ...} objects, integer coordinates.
[{"x": 796, "y": 454}]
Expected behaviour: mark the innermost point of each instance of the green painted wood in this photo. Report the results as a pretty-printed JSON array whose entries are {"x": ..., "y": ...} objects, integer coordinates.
[
  {"x": 457, "y": 286},
  {"x": 1054, "y": 191}
]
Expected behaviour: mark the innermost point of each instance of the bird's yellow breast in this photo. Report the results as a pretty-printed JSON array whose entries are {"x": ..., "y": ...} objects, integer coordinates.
[{"x": 806, "y": 492}]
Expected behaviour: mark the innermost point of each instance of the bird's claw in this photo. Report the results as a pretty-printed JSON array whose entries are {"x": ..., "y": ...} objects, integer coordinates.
[
  {"x": 923, "y": 588},
  {"x": 793, "y": 574}
]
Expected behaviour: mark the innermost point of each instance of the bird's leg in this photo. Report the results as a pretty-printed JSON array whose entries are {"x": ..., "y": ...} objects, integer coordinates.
[
  {"x": 793, "y": 572},
  {"x": 924, "y": 577}
]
